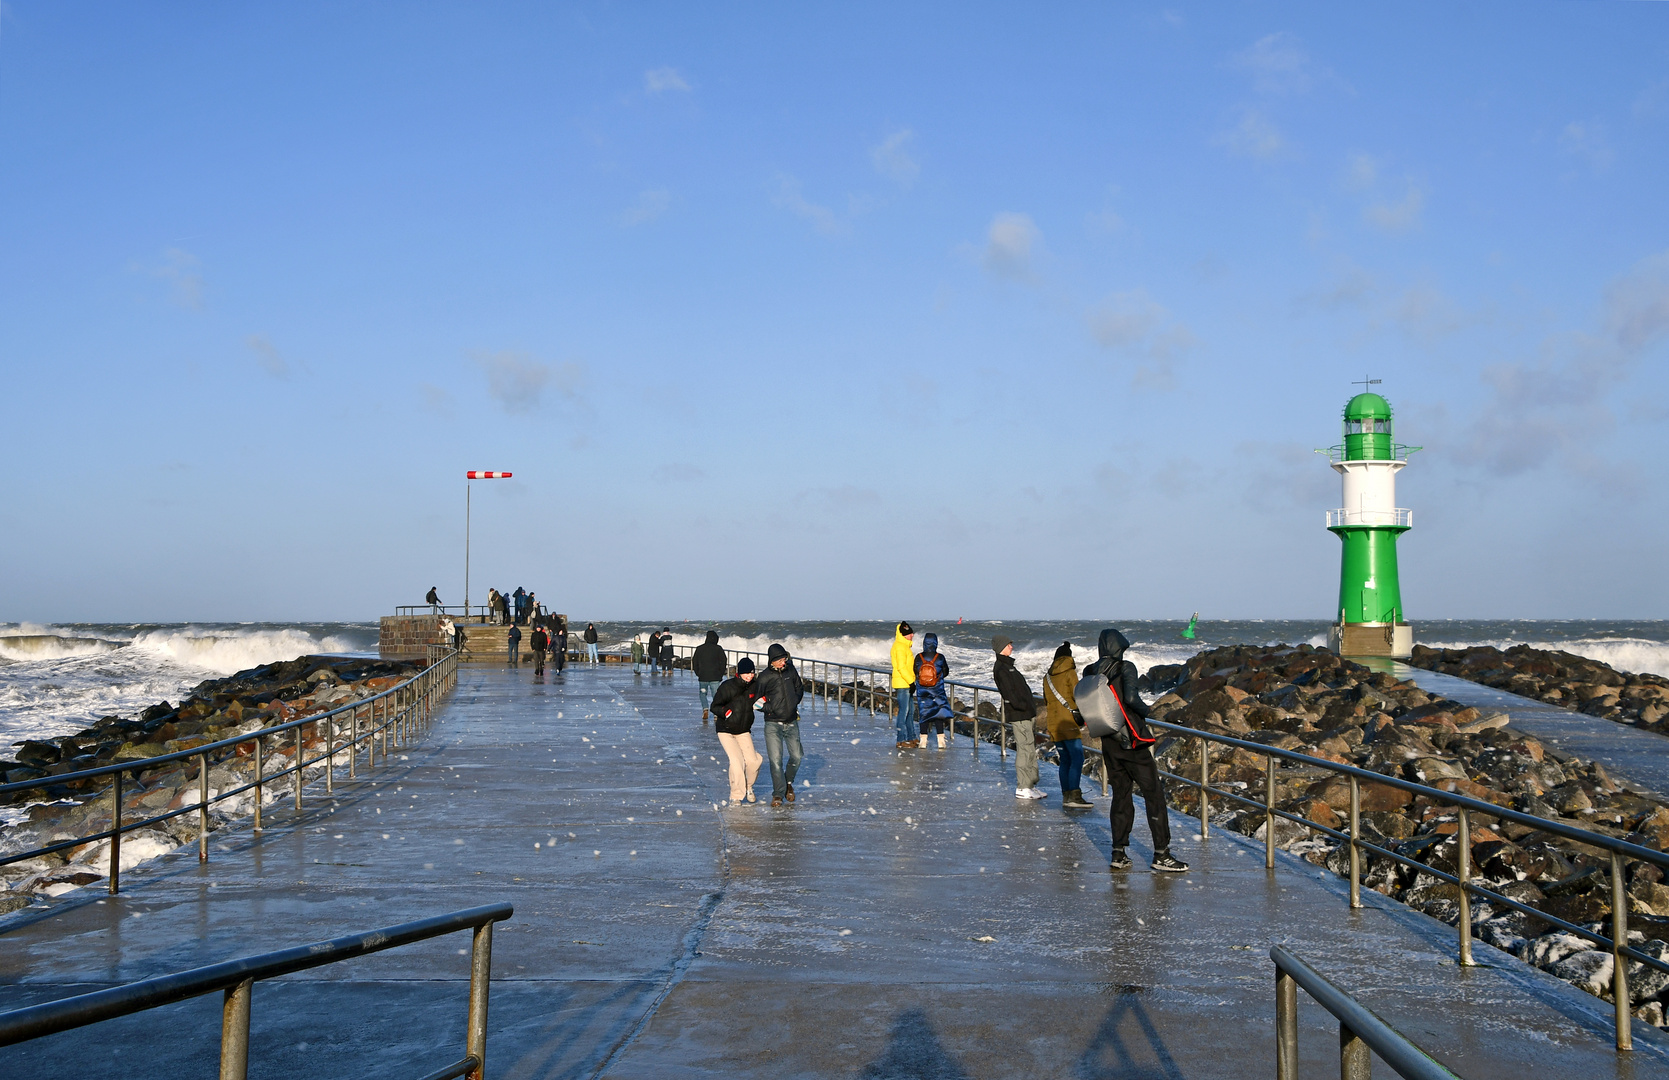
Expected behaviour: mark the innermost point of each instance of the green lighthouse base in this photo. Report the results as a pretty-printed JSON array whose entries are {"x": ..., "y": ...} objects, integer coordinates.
[{"x": 1395, "y": 640}]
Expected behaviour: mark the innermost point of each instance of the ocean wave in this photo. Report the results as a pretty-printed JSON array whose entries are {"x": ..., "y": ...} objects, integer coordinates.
[
  {"x": 24, "y": 648},
  {"x": 1624, "y": 654},
  {"x": 226, "y": 651}
]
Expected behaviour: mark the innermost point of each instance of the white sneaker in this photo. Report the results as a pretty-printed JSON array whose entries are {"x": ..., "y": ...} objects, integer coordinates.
[
  {"x": 941, "y": 740},
  {"x": 1022, "y": 793},
  {"x": 1035, "y": 793}
]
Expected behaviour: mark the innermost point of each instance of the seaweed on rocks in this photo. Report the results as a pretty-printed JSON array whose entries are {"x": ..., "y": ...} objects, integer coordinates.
[{"x": 1315, "y": 703}]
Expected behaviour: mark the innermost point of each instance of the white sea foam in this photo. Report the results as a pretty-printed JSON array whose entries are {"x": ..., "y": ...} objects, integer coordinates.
[
  {"x": 1624, "y": 654},
  {"x": 226, "y": 651}
]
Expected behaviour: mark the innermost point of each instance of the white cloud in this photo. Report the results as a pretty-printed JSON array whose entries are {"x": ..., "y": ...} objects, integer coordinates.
[
  {"x": 1135, "y": 323},
  {"x": 650, "y": 205},
  {"x": 892, "y": 158},
  {"x": 1277, "y": 64},
  {"x": 658, "y": 80},
  {"x": 1009, "y": 244},
  {"x": 179, "y": 269},
  {"x": 1255, "y": 135},
  {"x": 267, "y": 357},
  {"x": 1588, "y": 142},
  {"x": 1400, "y": 216},
  {"x": 786, "y": 193},
  {"x": 516, "y": 380}
]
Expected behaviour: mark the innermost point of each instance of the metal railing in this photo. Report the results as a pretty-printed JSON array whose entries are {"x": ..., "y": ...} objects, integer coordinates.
[
  {"x": 1345, "y": 517},
  {"x": 237, "y": 978},
  {"x": 396, "y": 716},
  {"x": 1399, "y": 452},
  {"x": 827, "y": 680},
  {"x": 460, "y": 611},
  {"x": 1360, "y": 1029}
]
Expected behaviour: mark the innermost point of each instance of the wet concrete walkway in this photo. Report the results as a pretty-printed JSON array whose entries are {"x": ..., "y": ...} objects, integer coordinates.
[
  {"x": 906, "y": 917},
  {"x": 1628, "y": 753}
]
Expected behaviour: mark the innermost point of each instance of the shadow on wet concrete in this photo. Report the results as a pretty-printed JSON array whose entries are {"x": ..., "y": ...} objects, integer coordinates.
[
  {"x": 1127, "y": 1045},
  {"x": 914, "y": 1051}
]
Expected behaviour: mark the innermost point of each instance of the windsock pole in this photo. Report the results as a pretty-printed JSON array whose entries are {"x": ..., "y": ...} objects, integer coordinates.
[{"x": 473, "y": 474}]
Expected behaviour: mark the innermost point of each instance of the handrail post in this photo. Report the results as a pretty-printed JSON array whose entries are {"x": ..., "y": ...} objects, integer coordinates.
[
  {"x": 297, "y": 767},
  {"x": 1286, "y": 1026},
  {"x": 116, "y": 838},
  {"x": 330, "y": 755},
  {"x": 1355, "y": 851},
  {"x": 1465, "y": 875},
  {"x": 480, "y": 976},
  {"x": 234, "y": 1031},
  {"x": 1619, "y": 941},
  {"x": 976, "y": 721},
  {"x": 1354, "y": 1060},
  {"x": 353, "y": 746},
  {"x": 202, "y": 808},
  {"x": 258, "y": 779},
  {"x": 1205, "y": 782},
  {"x": 1269, "y": 823}
]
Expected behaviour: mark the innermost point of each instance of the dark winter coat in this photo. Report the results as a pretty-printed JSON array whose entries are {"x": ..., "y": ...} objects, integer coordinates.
[
  {"x": 932, "y": 702},
  {"x": 782, "y": 690},
  {"x": 733, "y": 706},
  {"x": 541, "y": 640},
  {"x": 591, "y": 635},
  {"x": 668, "y": 654},
  {"x": 655, "y": 646},
  {"x": 1120, "y": 675},
  {"x": 1016, "y": 691},
  {"x": 515, "y": 636},
  {"x": 709, "y": 661}
]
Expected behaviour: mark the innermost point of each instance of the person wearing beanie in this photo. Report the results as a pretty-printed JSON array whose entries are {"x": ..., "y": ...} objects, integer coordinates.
[
  {"x": 903, "y": 686},
  {"x": 781, "y": 689},
  {"x": 1019, "y": 712},
  {"x": 733, "y": 704},
  {"x": 1065, "y": 726}
]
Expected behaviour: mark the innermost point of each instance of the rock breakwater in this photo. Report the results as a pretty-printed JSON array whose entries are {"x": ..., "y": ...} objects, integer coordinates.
[
  {"x": 1558, "y": 678},
  {"x": 216, "y": 709},
  {"x": 1311, "y": 702}
]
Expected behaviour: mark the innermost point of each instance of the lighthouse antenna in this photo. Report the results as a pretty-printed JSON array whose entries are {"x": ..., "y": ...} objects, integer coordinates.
[{"x": 1364, "y": 382}]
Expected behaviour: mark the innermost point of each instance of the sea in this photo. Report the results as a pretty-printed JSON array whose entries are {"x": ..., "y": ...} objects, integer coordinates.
[{"x": 59, "y": 678}]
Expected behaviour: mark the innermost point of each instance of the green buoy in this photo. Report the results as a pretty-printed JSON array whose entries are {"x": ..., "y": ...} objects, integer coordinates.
[{"x": 1193, "y": 621}]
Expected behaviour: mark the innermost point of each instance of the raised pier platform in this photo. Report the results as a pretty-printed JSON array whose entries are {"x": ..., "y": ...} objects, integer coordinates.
[{"x": 952, "y": 932}]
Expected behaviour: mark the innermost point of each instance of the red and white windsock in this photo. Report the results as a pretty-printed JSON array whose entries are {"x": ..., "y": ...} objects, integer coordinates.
[{"x": 475, "y": 474}]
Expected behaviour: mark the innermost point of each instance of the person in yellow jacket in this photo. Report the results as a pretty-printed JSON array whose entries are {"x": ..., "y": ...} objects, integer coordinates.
[{"x": 903, "y": 686}]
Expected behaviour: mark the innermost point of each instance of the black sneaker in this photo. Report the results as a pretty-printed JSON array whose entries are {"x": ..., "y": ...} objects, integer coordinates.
[
  {"x": 1166, "y": 863},
  {"x": 1121, "y": 861}
]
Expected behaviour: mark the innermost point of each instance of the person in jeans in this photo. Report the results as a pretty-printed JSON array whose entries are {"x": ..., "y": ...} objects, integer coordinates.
[
  {"x": 733, "y": 720},
  {"x": 654, "y": 650},
  {"x": 780, "y": 686},
  {"x": 1134, "y": 767},
  {"x": 515, "y": 639},
  {"x": 1066, "y": 730},
  {"x": 709, "y": 664},
  {"x": 591, "y": 642},
  {"x": 904, "y": 685},
  {"x": 1019, "y": 711},
  {"x": 433, "y": 600}
]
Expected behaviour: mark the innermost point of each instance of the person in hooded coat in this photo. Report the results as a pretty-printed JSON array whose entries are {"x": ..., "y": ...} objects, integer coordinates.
[
  {"x": 654, "y": 651},
  {"x": 733, "y": 721},
  {"x": 540, "y": 642},
  {"x": 1065, "y": 729},
  {"x": 782, "y": 689},
  {"x": 710, "y": 664},
  {"x": 1134, "y": 767},
  {"x": 903, "y": 686},
  {"x": 932, "y": 696},
  {"x": 669, "y": 655},
  {"x": 591, "y": 642}
]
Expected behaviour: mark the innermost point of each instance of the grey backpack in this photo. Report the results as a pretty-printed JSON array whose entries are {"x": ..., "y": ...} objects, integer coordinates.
[{"x": 1103, "y": 712}]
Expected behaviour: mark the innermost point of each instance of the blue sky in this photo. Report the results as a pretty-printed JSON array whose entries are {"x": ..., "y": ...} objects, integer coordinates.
[{"x": 824, "y": 311}]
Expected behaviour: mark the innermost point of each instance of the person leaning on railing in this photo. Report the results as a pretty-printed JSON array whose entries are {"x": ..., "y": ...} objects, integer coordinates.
[
  {"x": 1128, "y": 758},
  {"x": 1065, "y": 726}
]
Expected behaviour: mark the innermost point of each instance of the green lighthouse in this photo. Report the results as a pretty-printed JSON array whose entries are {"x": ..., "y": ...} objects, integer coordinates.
[{"x": 1370, "y": 620}]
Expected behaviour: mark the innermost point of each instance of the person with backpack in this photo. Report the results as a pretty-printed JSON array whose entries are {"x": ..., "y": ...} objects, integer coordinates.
[
  {"x": 709, "y": 664},
  {"x": 1128, "y": 755},
  {"x": 433, "y": 600},
  {"x": 591, "y": 642},
  {"x": 932, "y": 696},
  {"x": 733, "y": 720},
  {"x": 780, "y": 686},
  {"x": 1020, "y": 714},
  {"x": 540, "y": 642},
  {"x": 515, "y": 640},
  {"x": 904, "y": 687},
  {"x": 1065, "y": 726}
]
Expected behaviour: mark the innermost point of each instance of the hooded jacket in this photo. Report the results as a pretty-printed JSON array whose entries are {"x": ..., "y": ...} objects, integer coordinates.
[
  {"x": 541, "y": 640},
  {"x": 782, "y": 690},
  {"x": 709, "y": 661},
  {"x": 903, "y": 661},
  {"x": 654, "y": 647},
  {"x": 590, "y": 634},
  {"x": 1016, "y": 691},
  {"x": 1120, "y": 675},
  {"x": 932, "y": 702},
  {"x": 733, "y": 705},
  {"x": 1062, "y": 680}
]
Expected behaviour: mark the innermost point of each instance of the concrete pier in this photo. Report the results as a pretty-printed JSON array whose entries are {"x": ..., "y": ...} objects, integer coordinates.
[{"x": 907, "y": 916}]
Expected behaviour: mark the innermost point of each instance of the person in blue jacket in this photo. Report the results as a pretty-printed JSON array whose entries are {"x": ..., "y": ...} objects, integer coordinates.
[{"x": 933, "y": 710}]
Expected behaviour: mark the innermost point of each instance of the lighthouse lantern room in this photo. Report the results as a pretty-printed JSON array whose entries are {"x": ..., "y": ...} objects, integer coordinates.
[{"x": 1369, "y": 615}]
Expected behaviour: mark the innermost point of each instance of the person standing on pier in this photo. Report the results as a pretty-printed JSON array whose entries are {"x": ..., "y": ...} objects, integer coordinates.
[
  {"x": 520, "y": 598},
  {"x": 1129, "y": 760},
  {"x": 540, "y": 641},
  {"x": 668, "y": 654},
  {"x": 654, "y": 651},
  {"x": 709, "y": 663},
  {"x": 780, "y": 686},
  {"x": 733, "y": 720},
  {"x": 433, "y": 600},
  {"x": 559, "y": 643},
  {"x": 591, "y": 642},
  {"x": 637, "y": 653},
  {"x": 932, "y": 696},
  {"x": 515, "y": 640},
  {"x": 1019, "y": 712},
  {"x": 904, "y": 685},
  {"x": 1064, "y": 726}
]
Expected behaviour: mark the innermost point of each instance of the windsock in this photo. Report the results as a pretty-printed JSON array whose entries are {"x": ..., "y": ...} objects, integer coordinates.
[{"x": 475, "y": 474}]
